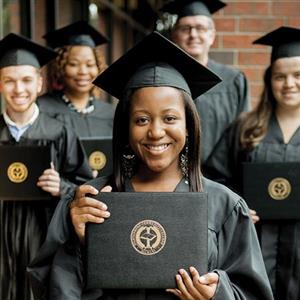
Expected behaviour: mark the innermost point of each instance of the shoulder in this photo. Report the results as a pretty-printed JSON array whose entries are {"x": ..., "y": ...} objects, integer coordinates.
[
  {"x": 50, "y": 102},
  {"x": 223, "y": 204},
  {"x": 227, "y": 73},
  {"x": 103, "y": 106}
]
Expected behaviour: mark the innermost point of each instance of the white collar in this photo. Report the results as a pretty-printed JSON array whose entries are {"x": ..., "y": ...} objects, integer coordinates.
[{"x": 10, "y": 122}]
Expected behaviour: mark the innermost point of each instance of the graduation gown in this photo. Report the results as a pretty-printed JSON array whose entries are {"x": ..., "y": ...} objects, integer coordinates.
[
  {"x": 280, "y": 240},
  {"x": 233, "y": 248},
  {"x": 99, "y": 122},
  {"x": 221, "y": 105},
  {"x": 24, "y": 223}
]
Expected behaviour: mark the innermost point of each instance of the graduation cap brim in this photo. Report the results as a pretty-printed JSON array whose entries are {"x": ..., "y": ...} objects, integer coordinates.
[
  {"x": 284, "y": 40},
  {"x": 184, "y": 8},
  {"x": 79, "y": 33},
  {"x": 156, "y": 48},
  {"x": 18, "y": 50}
]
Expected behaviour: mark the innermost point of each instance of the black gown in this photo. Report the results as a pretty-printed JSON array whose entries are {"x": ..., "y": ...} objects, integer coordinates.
[
  {"x": 233, "y": 249},
  {"x": 280, "y": 240},
  {"x": 97, "y": 123},
  {"x": 24, "y": 224},
  {"x": 221, "y": 105}
]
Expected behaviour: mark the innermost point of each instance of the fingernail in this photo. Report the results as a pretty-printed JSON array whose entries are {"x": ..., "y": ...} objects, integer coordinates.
[{"x": 192, "y": 269}]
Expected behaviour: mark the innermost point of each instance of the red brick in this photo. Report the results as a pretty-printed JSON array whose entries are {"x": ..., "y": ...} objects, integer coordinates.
[
  {"x": 256, "y": 89},
  {"x": 254, "y": 73},
  {"x": 259, "y": 25},
  {"x": 247, "y": 8},
  {"x": 254, "y": 58},
  {"x": 254, "y": 102},
  {"x": 239, "y": 41},
  {"x": 294, "y": 22},
  {"x": 225, "y": 24},
  {"x": 286, "y": 8}
]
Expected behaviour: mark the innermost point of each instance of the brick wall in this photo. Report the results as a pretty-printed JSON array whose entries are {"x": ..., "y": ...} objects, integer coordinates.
[{"x": 239, "y": 24}]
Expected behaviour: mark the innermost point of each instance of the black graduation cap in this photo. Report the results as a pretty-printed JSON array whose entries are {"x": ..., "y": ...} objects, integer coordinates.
[
  {"x": 78, "y": 33},
  {"x": 184, "y": 8},
  {"x": 156, "y": 61},
  {"x": 17, "y": 50},
  {"x": 284, "y": 40}
]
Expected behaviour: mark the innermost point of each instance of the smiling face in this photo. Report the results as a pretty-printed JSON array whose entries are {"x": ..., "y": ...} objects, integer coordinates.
[
  {"x": 285, "y": 82},
  {"x": 157, "y": 127},
  {"x": 195, "y": 35},
  {"x": 80, "y": 70},
  {"x": 20, "y": 86}
]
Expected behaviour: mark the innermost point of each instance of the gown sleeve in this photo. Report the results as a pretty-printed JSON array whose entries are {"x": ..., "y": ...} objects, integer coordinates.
[
  {"x": 223, "y": 163},
  {"x": 242, "y": 88},
  {"x": 74, "y": 169},
  {"x": 57, "y": 267},
  {"x": 240, "y": 265}
]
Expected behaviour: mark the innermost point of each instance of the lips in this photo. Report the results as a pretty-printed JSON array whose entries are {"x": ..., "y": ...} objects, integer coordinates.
[
  {"x": 83, "y": 82},
  {"x": 157, "y": 149},
  {"x": 20, "y": 100}
]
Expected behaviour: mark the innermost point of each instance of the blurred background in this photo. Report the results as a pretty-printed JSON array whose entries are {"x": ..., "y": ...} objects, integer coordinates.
[{"x": 126, "y": 21}]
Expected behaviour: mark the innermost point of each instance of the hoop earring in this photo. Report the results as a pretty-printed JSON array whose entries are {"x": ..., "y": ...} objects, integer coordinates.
[
  {"x": 184, "y": 161},
  {"x": 128, "y": 162}
]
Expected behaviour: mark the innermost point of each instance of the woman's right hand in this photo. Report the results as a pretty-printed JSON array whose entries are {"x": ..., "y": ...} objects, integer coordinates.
[
  {"x": 254, "y": 216},
  {"x": 86, "y": 209}
]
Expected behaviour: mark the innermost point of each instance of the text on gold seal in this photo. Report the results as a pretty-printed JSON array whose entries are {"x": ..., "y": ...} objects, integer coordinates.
[
  {"x": 279, "y": 188},
  {"x": 17, "y": 172},
  {"x": 148, "y": 237},
  {"x": 97, "y": 160}
]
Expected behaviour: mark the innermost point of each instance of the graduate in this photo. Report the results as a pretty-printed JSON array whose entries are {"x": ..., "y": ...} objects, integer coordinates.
[
  {"x": 195, "y": 32},
  {"x": 271, "y": 133},
  {"x": 156, "y": 145},
  {"x": 24, "y": 224},
  {"x": 72, "y": 98}
]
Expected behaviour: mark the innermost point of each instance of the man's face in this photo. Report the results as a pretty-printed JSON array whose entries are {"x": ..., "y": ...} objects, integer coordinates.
[
  {"x": 20, "y": 86},
  {"x": 195, "y": 35}
]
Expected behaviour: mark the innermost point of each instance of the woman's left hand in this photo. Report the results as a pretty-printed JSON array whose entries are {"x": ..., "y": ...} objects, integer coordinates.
[
  {"x": 49, "y": 181},
  {"x": 196, "y": 287}
]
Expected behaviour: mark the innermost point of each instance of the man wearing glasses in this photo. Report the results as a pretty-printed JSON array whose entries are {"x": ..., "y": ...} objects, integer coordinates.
[{"x": 194, "y": 31}]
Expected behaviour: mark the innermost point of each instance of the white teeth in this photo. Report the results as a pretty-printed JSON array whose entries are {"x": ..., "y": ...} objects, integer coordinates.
[{"x": 158, "y": 147}]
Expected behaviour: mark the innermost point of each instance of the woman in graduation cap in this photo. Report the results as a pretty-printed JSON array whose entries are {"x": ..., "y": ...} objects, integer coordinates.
[
  {"x": 24, "y": 223},
  {"x": 73, "y": 98},
  {"x": 270, "y": 133},
  {"x": 156, "y": 144}
]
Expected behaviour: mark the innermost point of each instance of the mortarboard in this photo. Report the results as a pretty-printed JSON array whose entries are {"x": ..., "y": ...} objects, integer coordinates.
[
  {"x": 17, "y": 50},
  {"x": 284, "y": 40},
  {"x": 78, "y": 33},
  {"x": 184, "y": 8},
  {"x": 156, "y": 61}
]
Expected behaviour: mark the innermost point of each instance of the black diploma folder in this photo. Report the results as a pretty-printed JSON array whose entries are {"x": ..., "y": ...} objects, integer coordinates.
[
  {"x": 146, "y": 240},
  {"x": 273, "y": 189},
  {"x": 99, "y": 153},
  {"x": 20, "y": 168}
]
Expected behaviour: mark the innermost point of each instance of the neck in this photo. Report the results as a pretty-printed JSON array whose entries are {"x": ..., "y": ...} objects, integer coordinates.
[
  {"x": 148, "y": 181},
  {"x": 202, "y": 59},
  {"x": 288, "y": 113},
  {"x": 21, "y": 118},
  {"x": 79, "y": 100}
]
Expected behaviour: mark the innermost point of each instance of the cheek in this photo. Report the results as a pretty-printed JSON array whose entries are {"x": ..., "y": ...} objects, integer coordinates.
[
  {"x": 69, "y": 72},
  {"x": 94, "y": 72}
]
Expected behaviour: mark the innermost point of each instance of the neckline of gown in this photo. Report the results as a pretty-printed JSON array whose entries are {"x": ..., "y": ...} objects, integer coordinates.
[{"x": 180, "y": 187}]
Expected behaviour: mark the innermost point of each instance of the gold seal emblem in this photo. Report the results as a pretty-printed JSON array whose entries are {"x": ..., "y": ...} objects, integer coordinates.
[
  {"x": 148, "y": 237},
  {"x": 279, "y": 188},
  {"x": 17, "y": 172},
  {"x": 97, "y": 160}
]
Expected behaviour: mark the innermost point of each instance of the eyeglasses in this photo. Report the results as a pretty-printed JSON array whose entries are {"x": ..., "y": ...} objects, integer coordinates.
[{"x": 186, "y": 29}]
